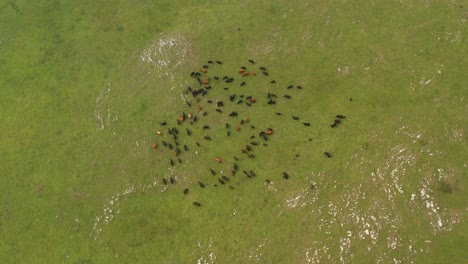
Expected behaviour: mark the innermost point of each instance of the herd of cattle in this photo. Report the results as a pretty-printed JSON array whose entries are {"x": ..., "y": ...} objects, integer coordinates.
[{"x": 169, "y": 136}]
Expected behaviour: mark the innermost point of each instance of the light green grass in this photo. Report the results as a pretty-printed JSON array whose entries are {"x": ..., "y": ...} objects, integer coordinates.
[{"x": 60, "y": 170}]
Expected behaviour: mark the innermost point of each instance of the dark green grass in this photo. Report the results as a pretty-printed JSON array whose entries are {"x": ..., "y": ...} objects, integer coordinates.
[{"x": 59, "y": 170}]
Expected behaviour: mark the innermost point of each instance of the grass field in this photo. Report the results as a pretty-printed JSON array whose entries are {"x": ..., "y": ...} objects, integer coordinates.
[{"x": 84, "y": 86}]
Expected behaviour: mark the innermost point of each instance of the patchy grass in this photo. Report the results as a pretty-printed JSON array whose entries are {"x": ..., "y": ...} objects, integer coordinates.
[{"x": 84, "y": 87}]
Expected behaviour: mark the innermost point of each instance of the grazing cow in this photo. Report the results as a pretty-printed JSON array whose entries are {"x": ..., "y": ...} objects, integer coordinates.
[
  {"x": 252, "y": 127},
  {"x": 248, "y": 104},
  {"x": 242, "y": 84},
  {"x": 221, "y": 181},
  {"x": 306, "y": 124},
  {"x": 237, "y": 128},
  {"x": 208, "y": 87},
  {"x": 265, "y": 73},
  {"x": 226, "y": 179},
  {"x": 198, "y": 144},
  {"x": 219, "y": 62},
  {"x": 278, "y": 113},
  {"x": 218, "y": 160},
  {"x": 179, "y": 160},
  {"x": 186, "y": 148},
  {"x": 285, "y": 175},
  {"x": 252, "y": 61},
  {"x": 205, "y": 66},
  {"x": 195, "y": 119},
  {"x": 299, "y": 87},
  {"x": 232, "y": 97},
  {"x": 186, "y": 191},
  {"x": 230, "y": 187},
  {"x": 273, "y": 81},
  {"x": 190, "y": 115},
  {"x": 201, "y": 184},
  {"x": 340, "y": 116},
  {"x": 207, "y": 138},
  {"x": 242, "y": 122},
  {"x": 192, "y": 74},
  {"x": 164, "y": 181},
  {"x": 262, "y": 68},
  {"x": 172, "y": 162},
  {"x": 220, "y": 103},
  {"x": 218, "y": 110},
  {"x": 210, "y": 61},
  {"x": 333, "y": 125},
  {"x": 176, "y": 152},
  {"x": 253, "y": 100},
  {"x": 227, "y": 125},
  {"x": 164, "y": 143},
  {"x": 235, "y": 158},
  {"x": 243, "y": 67},
  {"x": 206, "y": 127},
  {"x": 251, "y": 156},
  {"x": 170, "y": 146},
  {"x": 235, "y": 166},
  {"x": 172, "y": 180},
  {"x": 248, "y": 147},
  {"x": 290, "y": 86},
  {"x": 155, "y": 145},
  {"x": 164, "y": 123},
  {"x": 203, "y": 70},
  {"x": 337, "y": 121},
  {"x": 197, "y": 204},
  {"x": 271, "y": 102},
  {"x": 254, "y": 143},
  {"x": 241, "y": 70},
  {"x": 212, "y": 171},
  {"x": 252, "y": 173},
  {"x": 327, "y": 154},
  {"x": 228, "y": 133},
  {"x": 158, "y": 133},
  {"x": 233, "y": 114},
  {"x": 295, "y": 117},
  {"x": 216, "y": 77},
  {"x": 350, "y": 99},
  {"x": 205, "y": 113},
  {"x": 188, "y": 132},
  {"x": 287, "y": 96}
]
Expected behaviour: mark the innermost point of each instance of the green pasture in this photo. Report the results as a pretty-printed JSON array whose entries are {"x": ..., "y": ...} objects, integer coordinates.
[{"x": 84, "y": 86}]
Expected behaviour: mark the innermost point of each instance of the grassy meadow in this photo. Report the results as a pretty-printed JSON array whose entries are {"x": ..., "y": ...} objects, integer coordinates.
[{"x": 84, "y": 86}]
